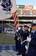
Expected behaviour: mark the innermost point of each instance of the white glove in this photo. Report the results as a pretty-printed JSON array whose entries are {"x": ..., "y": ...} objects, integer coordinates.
[
  {"x": 21, "y": 43},
  {"x": 28, "y": 39},
  {"x": 18, "y": 38}
]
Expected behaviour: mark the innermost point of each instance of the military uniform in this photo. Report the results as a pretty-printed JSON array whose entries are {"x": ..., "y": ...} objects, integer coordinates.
[
  {"x": 16, "y": 41},
  {"x": 32, "y": 46},
  {"x": 25, "y": 34},
  {"x": 19, "y": 41}
]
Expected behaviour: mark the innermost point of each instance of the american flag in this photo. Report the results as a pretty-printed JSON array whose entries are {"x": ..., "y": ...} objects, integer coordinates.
[{"x": 15, "y": 17}]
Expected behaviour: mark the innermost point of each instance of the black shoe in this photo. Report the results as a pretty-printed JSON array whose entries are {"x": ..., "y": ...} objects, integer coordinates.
[{"x": 18, "y": 53}]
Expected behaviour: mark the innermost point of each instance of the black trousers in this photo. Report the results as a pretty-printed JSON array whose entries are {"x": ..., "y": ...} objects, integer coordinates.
[
  {"x": 23, "y": 49},
  {"x": 18, "y": 46}
]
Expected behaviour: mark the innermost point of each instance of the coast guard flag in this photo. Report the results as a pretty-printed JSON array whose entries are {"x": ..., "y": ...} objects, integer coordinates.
[{"x": 7, "y": 7}]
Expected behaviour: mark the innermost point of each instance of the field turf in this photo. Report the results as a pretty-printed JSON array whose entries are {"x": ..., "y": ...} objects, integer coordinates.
[{"x": 6, "y": 39}]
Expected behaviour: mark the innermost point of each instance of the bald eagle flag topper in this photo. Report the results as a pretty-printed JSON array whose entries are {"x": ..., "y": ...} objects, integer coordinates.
[{"x": 7, "y": 7}]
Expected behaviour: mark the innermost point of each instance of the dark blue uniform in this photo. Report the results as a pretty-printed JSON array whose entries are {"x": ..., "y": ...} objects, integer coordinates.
[
  {"x": 16, "y": 41},
  {"x": 25, "y": 34},
  {"x": 32, "y": 46},
  {"x": 21, "y": 36}
]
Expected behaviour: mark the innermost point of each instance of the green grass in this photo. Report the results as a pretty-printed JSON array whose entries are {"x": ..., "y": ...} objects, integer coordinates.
[{"x": 6, "y": 40}]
